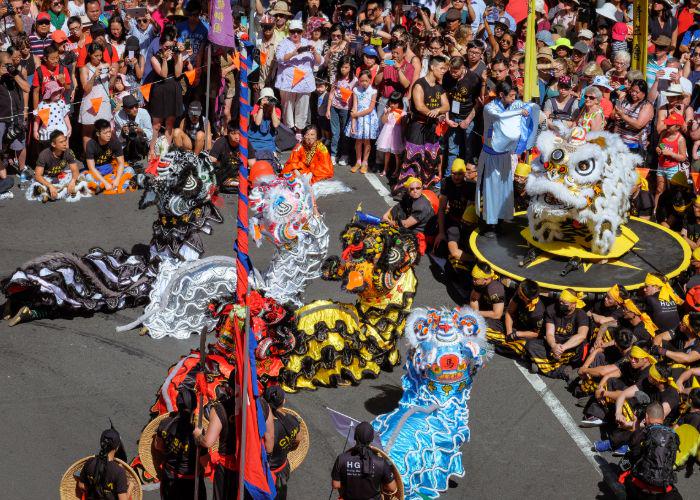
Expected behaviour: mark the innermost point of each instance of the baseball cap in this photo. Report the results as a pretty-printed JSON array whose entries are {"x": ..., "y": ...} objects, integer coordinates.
[
  {"x": 129, "y": 101},
  {"x": 195, "y": 108},
  {"x": 587, "y": 34},
  {"x": 582, "y": 47},
  {"x": 296, "y": 24},
  {"x": 619, "y": 32},
  {"x": 546, "y": 37},
  {"x": 59, "y": 36},
  {"x": 562, "y": 42},
  {"x": 601, "y": 81},
  {"x": 674, "y": 119},
  {"x": 43, "y": 16},
  {"x": 370, "y": 51}
]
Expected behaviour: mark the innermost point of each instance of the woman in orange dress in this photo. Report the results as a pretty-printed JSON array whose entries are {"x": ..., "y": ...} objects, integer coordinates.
[{"x": 310, "y": 156}]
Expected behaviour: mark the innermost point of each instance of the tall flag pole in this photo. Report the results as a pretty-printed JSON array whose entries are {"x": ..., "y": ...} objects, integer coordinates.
[
  {"x": 255, "y": 477},
  {"x": 641, "y": 35},
  {"x": 531, "y": 88}
]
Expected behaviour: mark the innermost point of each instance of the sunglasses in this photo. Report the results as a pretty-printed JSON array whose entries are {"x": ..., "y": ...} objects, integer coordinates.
[
  {"x": 296, "y": 32},
  {"x": 142, "y": 20},
  {"x": 590, "y": 98},
  {"x": 268, "y": 26},
  {"x": 415, "y": 189},
  {"x": 336, "y": 35}
]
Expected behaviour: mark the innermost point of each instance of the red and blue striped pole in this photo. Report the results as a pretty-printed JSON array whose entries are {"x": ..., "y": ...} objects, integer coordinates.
[{"x": 243, "y": 266}]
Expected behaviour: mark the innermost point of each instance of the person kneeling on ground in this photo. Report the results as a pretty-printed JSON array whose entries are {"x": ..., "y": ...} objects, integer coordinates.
[
  {"x": 412, "y": 212},
  {"x": 631, "y": 370},
  {"x": 105, "y": 161},
  {"x": 523, "y": 320},
  {"x": 488, "y": 295},
  {"x": 134, "y": 130},
  {"x": 566, "y": 329},
  {"x": 57, "y": 175}
]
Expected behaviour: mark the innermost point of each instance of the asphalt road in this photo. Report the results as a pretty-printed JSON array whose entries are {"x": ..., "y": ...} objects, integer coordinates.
[{"x": 62, "y": 380}]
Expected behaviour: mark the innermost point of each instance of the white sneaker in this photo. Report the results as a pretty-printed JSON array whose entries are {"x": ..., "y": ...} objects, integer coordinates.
[
  {"x": 7, "y": 196},
  {"x": 591, "y": 422},
  {"x": 333, "y": 160},
  {"x": 343, "y": 162}
]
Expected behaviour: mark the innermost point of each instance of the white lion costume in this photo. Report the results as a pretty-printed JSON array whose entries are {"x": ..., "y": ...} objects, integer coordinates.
[{"x": 584, "y": 178}]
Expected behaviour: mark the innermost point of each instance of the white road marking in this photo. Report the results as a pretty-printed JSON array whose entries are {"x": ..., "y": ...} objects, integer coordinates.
[
  {"x": 380, "y": 188},
  {"x": 564, "y": 417},
  {"x": 560, "y": 413}
]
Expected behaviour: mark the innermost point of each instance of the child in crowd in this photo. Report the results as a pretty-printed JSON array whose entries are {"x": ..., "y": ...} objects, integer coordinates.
[
  {"x": 390, "y": 140},
  {"x": 339, "y": 109},
  {"x": 58, "y": 118},
  {"x": 320, "y": 113},
  {"x": 671, "y": 151},
  {"x": 364, "y": 124}
]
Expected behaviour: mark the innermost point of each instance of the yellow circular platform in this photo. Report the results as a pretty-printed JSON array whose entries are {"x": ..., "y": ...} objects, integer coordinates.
[{"x": 576, "y": 244}]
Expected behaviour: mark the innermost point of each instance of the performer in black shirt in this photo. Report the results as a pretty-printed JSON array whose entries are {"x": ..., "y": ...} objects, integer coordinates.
[{"x": 287, "y": 438}]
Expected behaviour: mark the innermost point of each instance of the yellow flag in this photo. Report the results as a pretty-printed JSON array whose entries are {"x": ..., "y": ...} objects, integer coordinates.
[
  {"x": 641, "y": 35},
  {"x": 531, "y": 88}
]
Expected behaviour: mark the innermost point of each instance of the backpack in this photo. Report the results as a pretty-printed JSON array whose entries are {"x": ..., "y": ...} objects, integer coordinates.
[{"x": 659, "y": 447}]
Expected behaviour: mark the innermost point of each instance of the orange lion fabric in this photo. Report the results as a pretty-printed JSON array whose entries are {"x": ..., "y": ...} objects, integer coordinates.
[{"x": 316, "y": 161}]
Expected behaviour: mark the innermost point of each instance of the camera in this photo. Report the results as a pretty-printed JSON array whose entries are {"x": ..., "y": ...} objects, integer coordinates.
[
  {"x": 132, "y": 130},
  {"x": 12, "y": 70},
  {"x": 10, "y": 9},
  {"x": 15, "y": 131}
]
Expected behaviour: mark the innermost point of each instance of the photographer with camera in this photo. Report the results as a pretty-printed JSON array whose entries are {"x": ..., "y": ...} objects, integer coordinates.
[
  {"x": 13, "y": 131},
  {"x": 10, "y": 22},
  {"x": 263, "y": 127},
  {"x": 134, "y": 130}
]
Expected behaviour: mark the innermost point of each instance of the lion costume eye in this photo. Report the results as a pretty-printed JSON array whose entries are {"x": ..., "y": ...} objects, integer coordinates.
[
  {"x": 558, "y": 156},
  {"x": 585, "y": 167}
]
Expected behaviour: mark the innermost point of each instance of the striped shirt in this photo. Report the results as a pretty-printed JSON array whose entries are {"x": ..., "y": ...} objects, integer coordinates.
[
  {"x": 37, "y": 44},
  {"x": 652, "y": 68}
]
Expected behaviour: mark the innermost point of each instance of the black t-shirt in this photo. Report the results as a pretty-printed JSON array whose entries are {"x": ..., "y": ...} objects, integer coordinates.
[
  {"x": 180, "y": 450},
  {"x": 669, "y": 396},
  {"x": 458, "y": 197},
  {"x": 419, "y": 208},
  {"x": 286, "y": 429},
  {"x": 665, "y": 211},
  {"x": 463, "y": 93},
  {"x": 225, "y": 410},
  {"x": 678, "y": 343},
  {"x": 565, "y": 326},
  {"x": 630, "y": 376},
  {"x": 104, "y": 154},
  {"x": 493, "y": 293},
  {"x": 528, "y": 321},
  {"x": 691, "y": 418},
  {"x": 664, "y": 313},
  {"x": 354, "y": 485},
  {"x": 615, "y": 312},
  {"x": 52, "y": 165},
  {"x": 114, "y": 481},
  {"x": 228, "y": 157}
]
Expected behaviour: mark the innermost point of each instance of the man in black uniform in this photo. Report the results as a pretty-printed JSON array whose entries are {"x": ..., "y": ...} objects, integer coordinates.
[
  {"x": 488, "y": 295},
  {"x": 101, "y": 477},
  {"x": 287, "y": 438},
  {"x": 175, "y": 440},
  {"x": 682, "y": 348},
  {"x": 662, "y": 302},
  {"x": 463, "y": 88},
  {"x": 566, "y": 329},
  {"x": 523, "y": 320},
  {"x": 636, "y": 319},
  {"x": 222, "y": 428},
  {"x": 457, "y": 192},
  {"x": 360, "y": 474},
  {"x": 413, "y": 211}
]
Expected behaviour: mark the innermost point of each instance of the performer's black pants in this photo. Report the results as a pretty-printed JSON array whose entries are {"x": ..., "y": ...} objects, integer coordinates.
[
  {"x": 226, "y": 484},
  {"x": 181, "y": 489}
]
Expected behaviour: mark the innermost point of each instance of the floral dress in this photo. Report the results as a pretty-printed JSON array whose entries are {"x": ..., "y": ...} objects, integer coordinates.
[{"x": 367, "y": 126}]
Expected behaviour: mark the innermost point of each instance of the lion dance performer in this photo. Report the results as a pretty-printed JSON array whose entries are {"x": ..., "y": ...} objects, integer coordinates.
[
  {"x": 424, "y": 434},
  {"x": 62, "y": 283},
  {"x": 343, "y": 343}
]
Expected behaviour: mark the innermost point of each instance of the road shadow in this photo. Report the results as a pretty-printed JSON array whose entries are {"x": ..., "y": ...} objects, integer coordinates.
[
  {"x": 443, "y": 273},
  {"x": 386, "y": 401}
]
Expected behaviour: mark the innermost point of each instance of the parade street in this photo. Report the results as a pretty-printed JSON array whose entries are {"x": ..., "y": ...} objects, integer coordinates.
[{"x": 62, "y": 380}]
